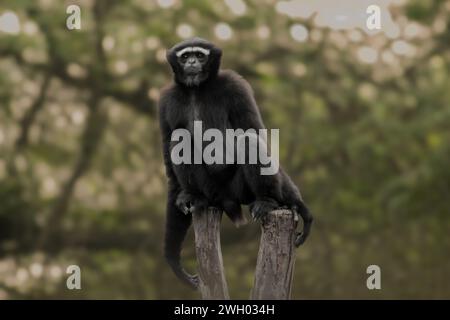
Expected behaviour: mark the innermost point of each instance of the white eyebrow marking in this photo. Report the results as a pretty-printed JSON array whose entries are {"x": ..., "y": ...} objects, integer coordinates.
[{"x": 193, "y": 49}]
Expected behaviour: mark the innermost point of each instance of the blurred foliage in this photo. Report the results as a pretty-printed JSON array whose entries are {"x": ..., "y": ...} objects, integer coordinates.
[{"x": 81, "y": 174}]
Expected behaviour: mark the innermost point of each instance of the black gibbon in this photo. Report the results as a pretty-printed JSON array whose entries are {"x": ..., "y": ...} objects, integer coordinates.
[{"x": 223, "y": 100}]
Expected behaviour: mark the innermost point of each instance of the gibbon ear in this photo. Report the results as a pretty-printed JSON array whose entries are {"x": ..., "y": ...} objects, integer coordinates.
[
  {"x": 172, "y": 59},
  {"x": 214, "y": 61}
]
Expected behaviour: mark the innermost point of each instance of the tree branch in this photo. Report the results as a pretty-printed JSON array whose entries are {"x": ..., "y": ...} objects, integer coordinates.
[
  {"x": 209, "y": 254},
  {"x": 31, "y": 113},
  {"x": 90, "y": 140},
  {"x": 276, "y": 257}
]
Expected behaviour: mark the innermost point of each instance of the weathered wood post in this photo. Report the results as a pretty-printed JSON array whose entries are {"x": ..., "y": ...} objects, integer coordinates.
[
  {"x": 212, "y": 280},
  {"x": 276, "y": 257}
]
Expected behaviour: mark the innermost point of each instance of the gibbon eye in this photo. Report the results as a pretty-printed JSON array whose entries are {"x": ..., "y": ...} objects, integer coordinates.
[
  {"x": 184, "y": 56},
  {"x": 199, "y": 55}
]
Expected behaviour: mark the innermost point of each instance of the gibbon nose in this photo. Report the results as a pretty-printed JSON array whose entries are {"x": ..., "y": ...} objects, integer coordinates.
[{"x": 191, "y": 61}]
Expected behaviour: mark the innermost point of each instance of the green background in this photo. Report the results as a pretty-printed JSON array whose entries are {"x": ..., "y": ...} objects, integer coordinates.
[{"x": 81, "y": 173}]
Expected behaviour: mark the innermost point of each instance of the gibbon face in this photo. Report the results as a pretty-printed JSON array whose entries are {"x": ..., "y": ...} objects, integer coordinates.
[{"x": 194, "y": 61}]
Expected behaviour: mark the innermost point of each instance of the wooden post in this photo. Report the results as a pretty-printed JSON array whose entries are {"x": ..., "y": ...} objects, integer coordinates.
[
  {"x": 276, "y": 257},
  {"x": 212, "y": 281}
]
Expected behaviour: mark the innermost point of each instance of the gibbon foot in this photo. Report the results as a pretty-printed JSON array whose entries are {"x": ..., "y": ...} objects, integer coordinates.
[
  {"x": 189, "y": 204},
  {"x": 307, "y": 218},
  {"x": 300, "y": 239},
  {"x": 260, "y": 208},
  {"x": 193, "y": 281}
]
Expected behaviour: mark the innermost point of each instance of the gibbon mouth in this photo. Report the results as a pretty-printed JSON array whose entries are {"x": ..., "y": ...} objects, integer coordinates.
[{"x": 192, "y": 70}]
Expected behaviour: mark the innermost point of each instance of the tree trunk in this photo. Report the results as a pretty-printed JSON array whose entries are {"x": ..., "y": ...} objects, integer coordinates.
[
  {"x": 276, "y": 257},
  {"x": 209, "y": 254}
]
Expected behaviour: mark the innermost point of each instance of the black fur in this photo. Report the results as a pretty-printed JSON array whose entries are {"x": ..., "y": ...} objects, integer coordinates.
[{"x": 222, "y": 100}]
